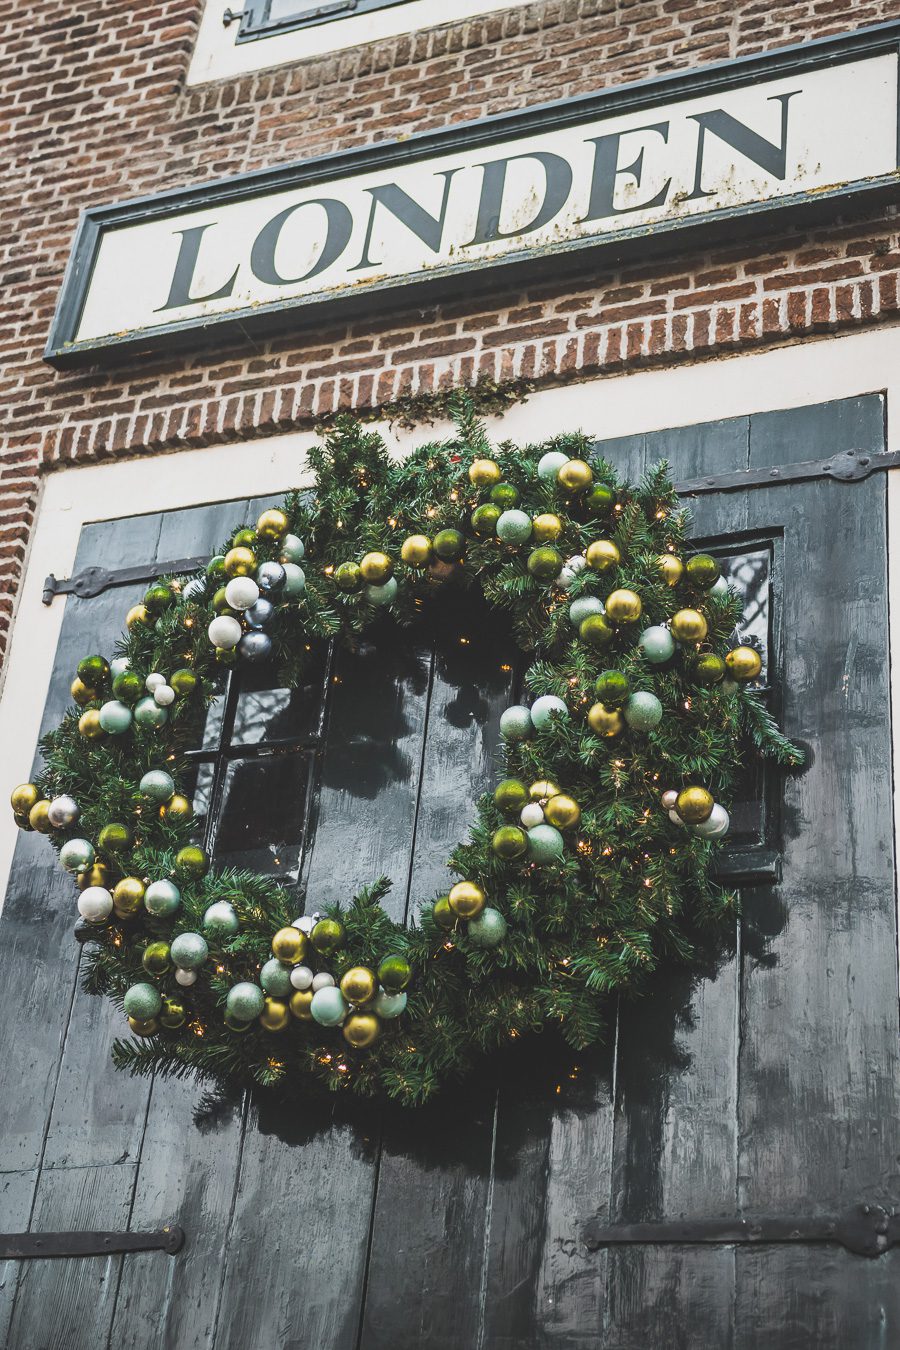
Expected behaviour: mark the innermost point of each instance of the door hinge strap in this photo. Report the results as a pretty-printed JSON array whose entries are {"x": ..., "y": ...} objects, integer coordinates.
[
  {"x": 865, "y": 1230},
  {"x": 93, "y": 581},
  {"x": 850, "y": 466},
  {"x": 29, "y": 1246}
]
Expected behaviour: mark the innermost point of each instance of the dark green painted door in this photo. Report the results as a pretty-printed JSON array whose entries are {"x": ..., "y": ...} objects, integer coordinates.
[{"x": 767, "y": 1086}]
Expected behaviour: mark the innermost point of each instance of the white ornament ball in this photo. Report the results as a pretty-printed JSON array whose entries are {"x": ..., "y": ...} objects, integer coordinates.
[
  {"x": 195, "y": 589},
  {"x": 565, "y": 579},
  {"x": 62, "y": 811},
  {"x": 153, "y": 681},
  {"x": 304, "y": 923},
  {"x": 550, "y": 464},
  {"x": 675, "y": 818},
  {"x": 715, "y": 825},
  {"x": 224, "y": 632},
  {"x": 532, "y": 814},
  {"x": 668, "y": 799},
  {"x": 95, "y": 904},
  {"x": 322, "y": 981},
  {"x": 545, "y": 708},
  {"x": 719, "y": 587},
  {"x": 118, "y": 666},
  {"x": 163, "y": 695},
  {"x": 302, "y": 977},
  {"x": 577, "y": 563},
  {"x": 186, "y": 977},
  {"x": 241, "y": 592}
]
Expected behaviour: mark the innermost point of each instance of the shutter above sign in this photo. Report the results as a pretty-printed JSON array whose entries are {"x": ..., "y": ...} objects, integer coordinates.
[{"x": 789, "y": 130}]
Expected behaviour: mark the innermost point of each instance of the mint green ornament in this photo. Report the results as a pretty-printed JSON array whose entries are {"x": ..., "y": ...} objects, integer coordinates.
[
  {"x": 643, "y": 712},
  {"x": 162, "y": 898},
  {"x": 545, "y": 708},
  {"x": 221, "y": 920},
  {"x": 385, "y": 594},
  {"x": 292, "y": 549},
  {"x": 514, "y": 527},
  {"x": 115, "y": 717},
  {"x": 148, "y": 713},
  {"x": 158, "y": 785},
  {"x": 545, "y": 844},
  {"x": 76, "y": 855},
  {"x": 389, "y": 1005},
  {"x": 142, "y": 1001},
  {"x": 657, "y": 644},
  {"x": 490, "y": 928},
  {"x": 516, "y": 723},
  {"x": 275, "y": 978},
  {"x": 550, "y": 464},
  {"x": 189, "y": 950},
  {"x": 583, "y": 608},
  {"x": 329, "y": 1007},
  {"x": 244, "y": 1001},
  {"x": 294, "y": 581}
]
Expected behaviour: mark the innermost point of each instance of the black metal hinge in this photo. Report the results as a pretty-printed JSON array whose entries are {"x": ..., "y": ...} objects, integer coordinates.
[
  {"x": 850, "y": 466},
  {"x": 865, "y": 1230},
  {"x": 29, "y": 1246},
  {"x": 95, "y": 580}
]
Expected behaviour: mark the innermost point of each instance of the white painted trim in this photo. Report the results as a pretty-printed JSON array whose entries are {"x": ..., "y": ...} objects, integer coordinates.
[
  {"x": 651, "y": 400},
  {"x": 218, "y": 57}
]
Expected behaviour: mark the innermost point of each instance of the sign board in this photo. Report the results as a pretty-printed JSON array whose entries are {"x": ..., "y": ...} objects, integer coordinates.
[{"x": 622, "y": 169}]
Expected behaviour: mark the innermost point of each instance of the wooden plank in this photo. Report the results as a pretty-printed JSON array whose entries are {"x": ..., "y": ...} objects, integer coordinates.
[
  {"x": 16, "y": 1198},
  {"x": 66, "y": 1303}
]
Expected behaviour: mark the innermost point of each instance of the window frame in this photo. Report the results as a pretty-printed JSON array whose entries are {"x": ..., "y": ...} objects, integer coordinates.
[{"x": 256, "y": 22}]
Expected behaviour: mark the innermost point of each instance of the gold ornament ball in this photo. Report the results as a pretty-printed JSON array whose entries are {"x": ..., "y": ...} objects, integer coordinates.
[
  {"x": 89, "y": 724},
  {"x": 272, "y": 524},
  {"x": 605, "y": 721},
  {"x": 22, "y": 822},
  {"x": 359, "y": 985},
  {"x": 300, "y": 1003},
  {"x": 671, "y": 568},
  {"x": 176, "y": 808},
  {"x": 289, "y": 945},
  {"x": 376, "y": 568},
  {"x": 744, "y": 663},
  {"x": 23, "y": 798},
  {"x": 602, "y": 555},
  {"x": 547, "y": 528},
  {"x": 38, "y": 818},
  {"x": 361, "y": 1030},
  {"x": 172, "y": 1014},
  {"x": 694, "y": 805},
  {"x": 240, "y": 562},
  {"x": 275, "y": 1015},
  {"x": 98, "y": 875},
  {"x": 80, "y": 692},
  {"x": 467, "y": 899},
  {"x": 575, "y": 476},
  {"x": 141, "y": 1028},
  {"x": 624, "y": 606},
  {"x": 542, "y": 790},
  {"x": 128, "y": 895},
  {"x": 688, "y": 625},
  {"x": 562, "y": 811},
  {"x": 138, "y": 616},
  {"x": 484, "y": 472},
  {"x": 416, "y": 550}
]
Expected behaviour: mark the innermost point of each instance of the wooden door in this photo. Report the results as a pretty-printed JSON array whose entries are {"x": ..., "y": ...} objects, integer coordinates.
[{"x": 767, "y": 1085}]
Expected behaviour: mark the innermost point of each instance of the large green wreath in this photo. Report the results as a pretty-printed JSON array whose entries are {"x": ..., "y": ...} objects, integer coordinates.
[{"x": 588, "y": 865}]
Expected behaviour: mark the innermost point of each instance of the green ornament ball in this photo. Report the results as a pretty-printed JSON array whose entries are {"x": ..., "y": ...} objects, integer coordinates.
[
  {"x": 389, "y": 1005},
  {"x": 114, "y": 838},
  {"x": 157, "y": 958},
  {"x": 489, "y": 929},
  {"x": 510, "y": 795},
  {"x": 612, "y": 688},
  {"x": 142, "y": 1001},
  {"x": 221, "y": 920},
  {"x": 545, "y": 844},
  {"x": 394, "y": 973},
  {"x": 545, "y": 563},
  {"x": 149, "y": 714},
  {"x": 215, "y": 568},
  {"x": 348, "y": 577},
  {"x": 158, "y": 785},
  {"x": 385, "y": 594},
  {"x": 585, "y": 607},
  {"x": 115, "y": 718},
  {"x": 275, "y": 978},
  {"x": 509, "y": 842},
  {"x": 189, "y": 950},
  {"x": 550, "y": 464},
  {"x": 702, "y": 570},
  {"x": 545, "y": 708},
  {"x": 244, "y": 1001},
  {"x": 596, "y": 631},
  {"x": 191, "y": 862},
  {"x": 516, "y": 723},
  {"x": 599, "y": 500},
  {"x": 708, "y": 669},
  {"x": 183, "y": 681},
  {"x": 505, "y": 495},
  {"x": 158, "y": 597},
  {"x": 92, "y": 671},
  {"x": 657, "y": 644},
  {"x": 484, "y": 520},
  {"x": 327, "y": 935},
  {"x": 162, "y": 899},
  {"x": 329, "y": 1007},
  {"x": 449, "y": 545},
  {"x": 442, "y": 913},
  {"x": 128, "y": 686},
  {"x": 643, "y": 712},
  {"x": 514, "y": 527}
]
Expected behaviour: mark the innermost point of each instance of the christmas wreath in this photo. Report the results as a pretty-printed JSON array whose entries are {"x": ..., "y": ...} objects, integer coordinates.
[{"x": 588, "y": 864}]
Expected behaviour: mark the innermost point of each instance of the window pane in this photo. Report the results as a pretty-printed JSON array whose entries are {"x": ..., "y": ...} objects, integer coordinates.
[
  {"x": 266, "y": 712},
  {"x": 260, "y": 821},
  {"x": 750, "y": 575}
]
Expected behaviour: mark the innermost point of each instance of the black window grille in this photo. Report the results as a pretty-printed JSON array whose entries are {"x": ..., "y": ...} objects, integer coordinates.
[{"x": 269, "y": 18}]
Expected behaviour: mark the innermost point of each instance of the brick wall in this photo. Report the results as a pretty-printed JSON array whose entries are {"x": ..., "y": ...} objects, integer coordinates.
[{"x": 94, "y": 108}]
